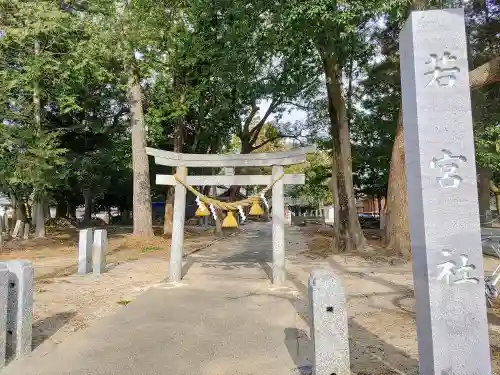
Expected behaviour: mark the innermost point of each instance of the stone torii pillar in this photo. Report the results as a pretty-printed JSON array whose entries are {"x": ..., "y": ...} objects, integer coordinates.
[{"x": 275, "y": 160}]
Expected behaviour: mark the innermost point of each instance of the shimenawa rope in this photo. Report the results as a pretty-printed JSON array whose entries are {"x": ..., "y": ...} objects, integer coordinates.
[{"x": 228, "y": 206}]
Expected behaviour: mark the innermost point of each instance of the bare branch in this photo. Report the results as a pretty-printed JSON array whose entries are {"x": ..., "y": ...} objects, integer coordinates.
[
  {"x": 485, "y": 74},
  {"x": 277, "y": 137},
  {"x": 248, "y": 121},
  {"x": 118, "y": 116},
  {"x": 254, "y": 133},
  {"x": 494, "y": 188},
  {"x": 301, "y": 106}
]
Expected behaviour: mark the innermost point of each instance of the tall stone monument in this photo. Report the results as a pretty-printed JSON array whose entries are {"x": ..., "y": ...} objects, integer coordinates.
[{"x": 443, "y": 211}]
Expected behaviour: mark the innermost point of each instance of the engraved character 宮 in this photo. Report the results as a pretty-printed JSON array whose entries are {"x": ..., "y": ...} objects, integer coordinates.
[{"x": 449, "y": 164}]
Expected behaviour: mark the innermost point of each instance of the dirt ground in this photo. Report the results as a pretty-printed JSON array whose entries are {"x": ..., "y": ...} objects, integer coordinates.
[
  {"x": 379, "y": 288},
  {"x": 381, "y": 305},
  {"x": 65, "y": 302}
]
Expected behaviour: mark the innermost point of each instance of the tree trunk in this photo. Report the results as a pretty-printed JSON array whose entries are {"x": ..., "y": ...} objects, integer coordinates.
[
  {"x": 336, "y": 208},
  {"x": 379, "y": 204},
  {"x": 47, "y": 211},
  {"x": 87, "y": 196},
  {"x": 39, "y": 195},
  {"x": 169, "y": 211},
  {"x": 39, "y": 217},
  {"x": 397, "y": 235},
  {"x": 18, "y": 209},
  {"x": 484, "y": 197},
  {"x": 397, "y": 230},
  {"x": 350, "y": 235},
  {"x": 13, "y": 202},
  {"x": 496, "y": 190},
  {"x": 142, "y": 208},
  {"x": 169, "y": 201},
  {"x": 21, "y": 211},
  {"x": 61, "y": 209},
  {"x": 125, "y": 216},
  {"x": 72, "y": 210}
]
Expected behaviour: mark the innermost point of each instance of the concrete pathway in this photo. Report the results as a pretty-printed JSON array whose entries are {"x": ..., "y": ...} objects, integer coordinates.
[{"x": 224, "y": 319}]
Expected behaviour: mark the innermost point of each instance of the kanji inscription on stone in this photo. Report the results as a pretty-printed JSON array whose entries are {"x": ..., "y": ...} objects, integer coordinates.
[
  {"x": 449, "y": 165},
  {"x": 454, "y": 273},
  {"x": 443, "y": 214},
  {"x": 441, "y": 70}
]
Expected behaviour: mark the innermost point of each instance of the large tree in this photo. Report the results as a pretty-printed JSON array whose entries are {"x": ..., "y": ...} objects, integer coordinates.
[
  {"x": 485, "y": 71},
  {"x": 36, "y": 58},
  {"x": 337, "y": 31}
]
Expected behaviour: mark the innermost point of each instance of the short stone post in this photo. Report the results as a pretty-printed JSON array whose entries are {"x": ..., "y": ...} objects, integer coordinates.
[
  {"x": 288, "y": 216},
  {"x": 17, "y": 228},
  {"x": 21, "y": 230},
  {"x": 278, "y": 201},
  {"x": 443, "y": 211},
  {"x": 99, "y": 254},
  {"x": 329, "y": 328},
  {"x": 382, "y": 219},
  {"x": 19, "y": 308},
  {"x": 329, "y": 215},
  {"x": 26, "y": 231},
  {"x": 4, "y": 292},
  {"x": 85, "y": 252},
  {"x": 177, "y": 245}
]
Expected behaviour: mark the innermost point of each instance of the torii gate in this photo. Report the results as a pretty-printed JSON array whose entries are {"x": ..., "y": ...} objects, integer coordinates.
[{"x": 276, "y": 160}]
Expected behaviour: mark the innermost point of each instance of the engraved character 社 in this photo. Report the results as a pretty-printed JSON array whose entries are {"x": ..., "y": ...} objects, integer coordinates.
[{"x": 456, "y": 274}]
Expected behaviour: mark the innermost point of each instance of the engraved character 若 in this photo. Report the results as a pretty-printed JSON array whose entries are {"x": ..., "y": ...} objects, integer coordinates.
[
  {"x": 449, "y": 165},
  {"x": 440, "y": 72}
]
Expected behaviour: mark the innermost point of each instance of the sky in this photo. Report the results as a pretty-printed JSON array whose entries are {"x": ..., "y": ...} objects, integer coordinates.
[{"x": 294, "y": 115}]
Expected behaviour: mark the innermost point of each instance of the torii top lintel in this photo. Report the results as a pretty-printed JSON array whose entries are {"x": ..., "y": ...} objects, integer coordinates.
[{"x": 174, "y": 159}]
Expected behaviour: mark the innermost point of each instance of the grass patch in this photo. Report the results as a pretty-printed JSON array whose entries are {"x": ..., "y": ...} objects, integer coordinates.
[
  {"x": 124, "y": 302},
  {"x": 150, "y": 249}
]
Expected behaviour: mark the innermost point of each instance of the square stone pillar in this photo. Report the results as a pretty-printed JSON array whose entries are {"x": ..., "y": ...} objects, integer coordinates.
[
  {"x": 278, "y": 202},
  {"x": 99, "y": 253},
  {"x": 329, "y": 328},
  {"x": 443, "y": 214},
  {"x": 4, "y": 293},
  {"x": 85, "y": 251},
  {"x": 177, "y": 246},
  {"x": 19, "y": 308}
]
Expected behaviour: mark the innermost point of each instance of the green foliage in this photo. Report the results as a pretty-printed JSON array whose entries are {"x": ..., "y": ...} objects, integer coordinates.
[
  {"x": 208, "y": 68},
  {"x": 318, "y": 172},
  {"x": 483, "y": 20},
  {"x": 488, "y": 148}
]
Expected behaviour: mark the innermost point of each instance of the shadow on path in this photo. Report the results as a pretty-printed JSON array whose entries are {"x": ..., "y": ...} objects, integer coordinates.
[
  {"x": 372, "y": 355},
  {"x": 369, "y": 353},
  {"x": 46, "y": 328},
  {"x": 298, "y": 345}
]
